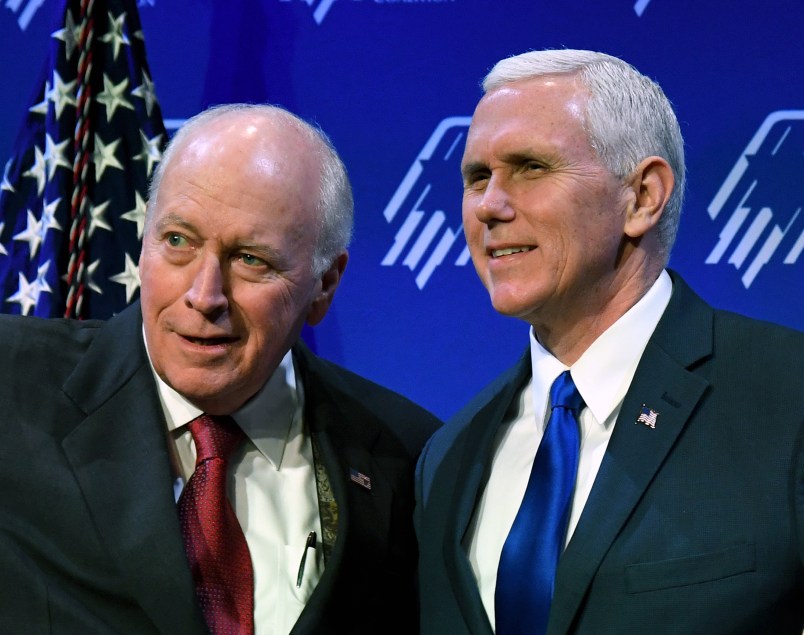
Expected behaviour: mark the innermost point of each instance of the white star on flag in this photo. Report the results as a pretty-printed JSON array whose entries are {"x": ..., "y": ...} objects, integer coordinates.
[
  {"x": 62, "y": 94},
  {"x": 41, "y": 282},
  {"x": 32, "y": 234},
  {"x": 41, "y": 107},
  {"x": 37, "y": 170},
  {"x": 70, "y": 35},
  {"x": 7, "y": 186},
  {"x": 114, "y": 96},
  {"x": 116, "y": 35},
  {"x": 146, "y": 91},
  {"x": 104, "y": 156},
  {"x": 27, "y": 294},
  {"x": 97, "y": 218},
  {"x": 89, "y": 277},
  {"x": 151, "y": 151},
  {"x": 137, "y": 215},
  {"x": 49, "y": 215},
  {"x": 130, "y": 277},
  {"x": 54, "y": 155}
]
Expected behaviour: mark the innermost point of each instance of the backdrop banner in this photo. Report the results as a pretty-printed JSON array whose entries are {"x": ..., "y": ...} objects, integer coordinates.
[{"x": 394, "y": 84}]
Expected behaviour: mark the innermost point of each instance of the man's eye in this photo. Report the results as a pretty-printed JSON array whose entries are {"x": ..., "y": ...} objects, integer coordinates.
[
  {"x": 476, "y": 178},
  {"x": 176, "y": 240},
  {"x": 251, "y": 260}
]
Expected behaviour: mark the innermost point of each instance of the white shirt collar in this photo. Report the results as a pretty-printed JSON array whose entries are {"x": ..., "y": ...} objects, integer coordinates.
[
  {"x": 605, "y": 370},
  {"x": 266, "y": 418}
]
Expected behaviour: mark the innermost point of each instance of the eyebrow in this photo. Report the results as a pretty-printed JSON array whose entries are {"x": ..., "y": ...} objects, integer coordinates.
[
  {"x": 473, "y": 167},
  {"x": 174, "y": 219}
]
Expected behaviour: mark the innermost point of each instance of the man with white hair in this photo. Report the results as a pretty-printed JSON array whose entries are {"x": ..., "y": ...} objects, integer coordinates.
[
  {"x": 190, "y": 466},
  {"x": 641, "y": 468}
]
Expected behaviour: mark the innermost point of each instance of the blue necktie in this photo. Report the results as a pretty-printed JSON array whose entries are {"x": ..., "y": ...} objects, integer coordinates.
[{"x": 527, "y": 570}]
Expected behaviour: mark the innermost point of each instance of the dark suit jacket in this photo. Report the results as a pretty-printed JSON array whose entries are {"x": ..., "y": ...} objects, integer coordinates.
[
  {"x": 696, "y": 526},
  {"x": 89, "y": 535}
]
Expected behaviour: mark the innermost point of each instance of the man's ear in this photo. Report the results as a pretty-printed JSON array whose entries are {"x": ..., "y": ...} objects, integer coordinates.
[
  {"x": 652, "y": 183},
  {"x": 328, "y": 283}
]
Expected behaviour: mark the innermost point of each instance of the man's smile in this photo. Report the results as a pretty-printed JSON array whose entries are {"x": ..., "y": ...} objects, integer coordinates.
[{"x": 507, "y": 251}]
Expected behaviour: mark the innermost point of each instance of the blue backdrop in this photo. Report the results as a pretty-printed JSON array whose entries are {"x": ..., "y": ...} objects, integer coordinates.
[{"x": 394, "y": 82}]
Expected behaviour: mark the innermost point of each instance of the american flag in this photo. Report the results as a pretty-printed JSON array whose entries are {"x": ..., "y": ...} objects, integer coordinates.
[
  {"x": 359, "y": 478},
  {"x": 647, "y": 416},
  {"x": 73, "y": 195}
]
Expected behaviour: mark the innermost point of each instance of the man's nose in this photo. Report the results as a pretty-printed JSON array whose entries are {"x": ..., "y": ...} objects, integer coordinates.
[
  {"x": 494, "y": 205},
  {"x": 207, "y": 294}
]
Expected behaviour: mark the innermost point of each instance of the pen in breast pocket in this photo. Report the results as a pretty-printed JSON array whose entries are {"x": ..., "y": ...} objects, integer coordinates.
[{"x": 310, "y": 544}]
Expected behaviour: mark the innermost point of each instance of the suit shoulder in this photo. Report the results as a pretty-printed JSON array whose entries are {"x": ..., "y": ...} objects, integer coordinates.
[
  {"x": 752, "y": 342},
  {"x": 496, "y": 394},
  {"x": 26, "y": 339},
  {"x": 36, "y": 358},
  {"x": 368, "y": 403},
  {"x": 769, "y": 334},
  {"x": 692, "y": 317}
]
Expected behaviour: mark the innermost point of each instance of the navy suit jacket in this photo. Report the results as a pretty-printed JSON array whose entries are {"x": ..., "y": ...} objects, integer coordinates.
[
  {"x": 694, "y": 526},
  {"x": 89, "y": 535}
]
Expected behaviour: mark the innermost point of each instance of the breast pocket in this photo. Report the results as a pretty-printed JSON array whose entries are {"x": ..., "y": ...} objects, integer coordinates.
[{"x": 689, "y": 570}]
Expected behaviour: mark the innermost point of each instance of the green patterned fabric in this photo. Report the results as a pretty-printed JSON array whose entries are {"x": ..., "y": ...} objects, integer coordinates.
[{"x": 327, "y": 505}]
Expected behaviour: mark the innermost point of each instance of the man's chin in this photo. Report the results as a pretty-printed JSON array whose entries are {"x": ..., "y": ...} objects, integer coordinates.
[
  {"x": 216, "y": 404},
  {"x": 511, "y": 306},
  {"x": 204, "y": 392}
]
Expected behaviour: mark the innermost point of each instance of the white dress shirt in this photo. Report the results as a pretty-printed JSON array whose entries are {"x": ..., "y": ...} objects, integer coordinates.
[
  {"x": 273, "y": 488},
  {"x": 602, "y": 375}
]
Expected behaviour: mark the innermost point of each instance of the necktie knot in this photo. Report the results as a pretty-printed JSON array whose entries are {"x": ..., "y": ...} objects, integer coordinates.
[
  {"x": 564, "y": 394},
  {"x": 216, "y": 437}
]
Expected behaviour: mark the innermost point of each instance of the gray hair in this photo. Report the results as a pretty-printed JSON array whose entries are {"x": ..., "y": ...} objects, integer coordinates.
[
  {"x": 335, "y": 202},
  {"x": 628, "y": 116}
]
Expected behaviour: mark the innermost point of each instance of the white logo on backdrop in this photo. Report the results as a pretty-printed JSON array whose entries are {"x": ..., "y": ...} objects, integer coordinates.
[
  {"x": 640, "y": 6},
  {"x": 763, "y": 195},
  {"x": 430, "y": 190},
  {"x": 25, "y": 10},
  {"x": 321, "y": 7}
]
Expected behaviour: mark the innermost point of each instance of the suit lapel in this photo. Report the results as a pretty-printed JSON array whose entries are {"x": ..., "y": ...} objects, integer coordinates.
[
  {"x": 477, "y": 449},
  {"x": 636, "y": 451},
  {"x": 120, "y": 460},
  {"x": 339, "y": 448}
]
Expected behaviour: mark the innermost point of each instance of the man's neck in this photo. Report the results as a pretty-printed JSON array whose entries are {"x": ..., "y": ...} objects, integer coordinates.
[{"x": 568, "y": 336}]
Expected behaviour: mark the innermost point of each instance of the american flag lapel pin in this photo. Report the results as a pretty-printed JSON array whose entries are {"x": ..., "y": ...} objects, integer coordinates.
[
  {"x": 648, "y": 416},
  {"x": 358, "y": 477}
]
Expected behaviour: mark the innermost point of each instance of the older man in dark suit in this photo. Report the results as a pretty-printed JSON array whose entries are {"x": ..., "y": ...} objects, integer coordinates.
[
  {"x": 190, "y": 464},
  {"x": 641, "y": 468}
]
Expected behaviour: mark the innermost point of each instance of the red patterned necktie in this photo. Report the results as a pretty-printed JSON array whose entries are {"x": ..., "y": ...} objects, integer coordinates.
[{"x": 215, "y": 545}]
